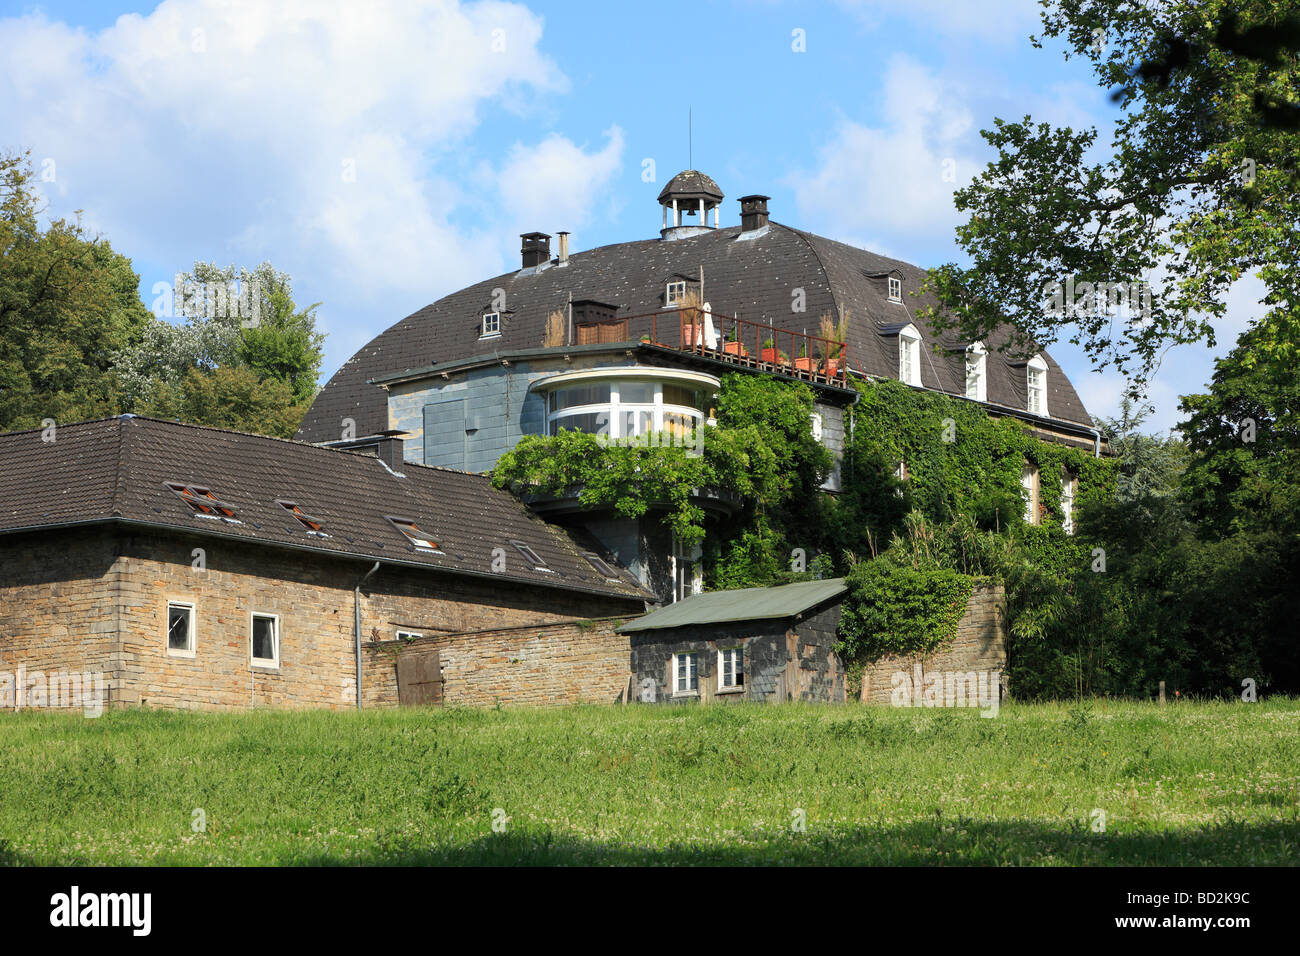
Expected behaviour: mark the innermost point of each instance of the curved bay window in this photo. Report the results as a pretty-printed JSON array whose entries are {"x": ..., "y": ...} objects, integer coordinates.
[{"x": 622, "y": 404}]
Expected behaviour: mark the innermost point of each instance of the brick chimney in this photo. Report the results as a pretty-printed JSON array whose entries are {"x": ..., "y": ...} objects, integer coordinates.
[
  {"x": 753, "y": 212},
  {"x": 536, "y": 249}
]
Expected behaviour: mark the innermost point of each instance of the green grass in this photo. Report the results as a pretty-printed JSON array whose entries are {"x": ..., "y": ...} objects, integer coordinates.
[{"x": 1184, "y": 784}]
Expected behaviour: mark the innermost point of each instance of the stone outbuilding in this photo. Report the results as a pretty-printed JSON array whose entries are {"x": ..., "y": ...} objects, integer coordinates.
[{"x": 759, "y": 644}]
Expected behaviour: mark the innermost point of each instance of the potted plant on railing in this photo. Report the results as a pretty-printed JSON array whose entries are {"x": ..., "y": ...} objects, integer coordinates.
[
  {"x": 804, "y": 362},
  {"x": 688, "y": 307},
  {"x": 833, "y": 334},
  {"x": 732, "y": 345},
  {"x": 768, "y": 353}
]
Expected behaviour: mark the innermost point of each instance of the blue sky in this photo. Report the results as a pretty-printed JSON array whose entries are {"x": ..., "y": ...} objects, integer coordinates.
[{"x": 198, "y": 130}]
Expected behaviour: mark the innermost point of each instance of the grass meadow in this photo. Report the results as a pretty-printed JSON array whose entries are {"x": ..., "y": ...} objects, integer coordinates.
[{"x": 1183, "y": 784}]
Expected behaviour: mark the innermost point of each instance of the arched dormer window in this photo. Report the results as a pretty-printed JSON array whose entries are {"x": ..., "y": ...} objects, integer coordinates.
[
  {"x": 1036, "y": 384},
  {"x": 977, "y": 385},
  {"x": 909, "y": 355}
]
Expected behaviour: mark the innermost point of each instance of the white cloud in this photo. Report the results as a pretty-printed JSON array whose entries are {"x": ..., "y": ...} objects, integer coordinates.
[
  {"x": 329, "y": 137},
  {"x": 898, "y": 177},
  {"x": 550, "y": 186}
]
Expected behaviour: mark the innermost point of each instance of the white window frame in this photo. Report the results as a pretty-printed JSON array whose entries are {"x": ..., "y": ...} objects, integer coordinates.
[
  {"x": 1029, "y": 479},
  {"x": 909, "y": 345},
  {"x": 615, "y": 409},
  {"x": 816, "y": 421},
  {"x": 977, "y": 367},
  {"x": 1036, "y": 368},
  {"x": 697, "y": 569},
  {"x": 265, "y": 662},
  {"x": 191, "y": 650},
  {"x": 1069, "y": 488},
  {"x": 733, "y": 687},
  {"x": 693, "y": 671},
  {"x": 404, "y": 635},
  {"x": 895, "y": 289},
  {"x": 674, "y": 292},
  {"x": 486, "y": 332}
]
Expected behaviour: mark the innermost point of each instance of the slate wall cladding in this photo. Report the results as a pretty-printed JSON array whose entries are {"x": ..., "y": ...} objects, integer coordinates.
[
  {"x": 784, "y": 659},
  {"x": 98, "y": 601},
  {"x": 980, "y": 645}
]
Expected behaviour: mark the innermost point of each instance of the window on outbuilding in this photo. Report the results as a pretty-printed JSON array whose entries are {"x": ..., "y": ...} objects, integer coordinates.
[
  {"x": 491, "y": 325},
  {"x": 731, "y": 668},
  {"x": 265, "y": 640},
  {"x": 675, "y": 292},
  {"x": 686, "y": 673},
  {"x": 180, "y": 629}
]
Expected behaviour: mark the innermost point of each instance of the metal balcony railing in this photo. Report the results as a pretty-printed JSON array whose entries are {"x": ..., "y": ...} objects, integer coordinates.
[{"x": 736, "y": 341}]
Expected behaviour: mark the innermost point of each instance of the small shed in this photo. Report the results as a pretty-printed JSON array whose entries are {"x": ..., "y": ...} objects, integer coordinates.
[{"x": 758, "y": 644}]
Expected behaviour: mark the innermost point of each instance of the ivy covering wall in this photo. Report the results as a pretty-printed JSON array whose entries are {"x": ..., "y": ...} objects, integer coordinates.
[{"x": 911, "y": 549}]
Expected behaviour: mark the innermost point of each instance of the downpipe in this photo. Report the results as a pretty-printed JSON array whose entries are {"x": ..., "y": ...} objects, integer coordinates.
[{"x": 356, "y": 627}]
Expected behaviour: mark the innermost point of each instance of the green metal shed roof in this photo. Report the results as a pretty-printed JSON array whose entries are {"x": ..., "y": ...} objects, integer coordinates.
[{"x": 748, "y": 604}]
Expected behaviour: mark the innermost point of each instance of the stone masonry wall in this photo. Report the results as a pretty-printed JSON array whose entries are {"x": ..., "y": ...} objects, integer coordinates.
[
  {"x": 561, "y": 662},
  {"x": 56, "y": 607},
  {"x": 98, "y": 600},
  {"x": 980, "y": 645}
]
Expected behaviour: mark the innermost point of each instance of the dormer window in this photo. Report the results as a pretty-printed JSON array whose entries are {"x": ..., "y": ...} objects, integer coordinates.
[
  {"x": 202, "y": 500},
  {"x": 534, "y": 562},
  {"x": 412, "y": 533},
  {"x": 313, "y": 525},
  {"x": 977, "y": 373},
  {"x": 1036, "y": 384},
  {"x": 909, "y": 356},
  {"x": 675, "y": 292},
  {"x": 491, "y": 325},
  {"x": 600, "y": 566},
  {"x": 895, "y": 289}
]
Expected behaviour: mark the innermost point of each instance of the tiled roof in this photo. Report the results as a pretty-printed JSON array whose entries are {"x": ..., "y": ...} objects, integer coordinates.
[
  {"x": 755, "y": 278},
  {"x": 118, "y": 468}
]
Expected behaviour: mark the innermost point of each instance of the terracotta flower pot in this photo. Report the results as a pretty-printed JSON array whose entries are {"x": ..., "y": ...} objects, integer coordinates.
[
  {"x": 768, "y": 355},
  {"x": 805, "y": 363},
  {"x": 735, "y": 348},
  {"x": 832, "y": 368},
  {"x": 689, "y": 335}
]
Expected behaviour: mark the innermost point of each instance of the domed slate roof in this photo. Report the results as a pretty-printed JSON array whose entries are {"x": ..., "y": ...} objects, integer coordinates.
[
  {"x": 751, "y": 277},
  {"x": 690, "y": 184}
]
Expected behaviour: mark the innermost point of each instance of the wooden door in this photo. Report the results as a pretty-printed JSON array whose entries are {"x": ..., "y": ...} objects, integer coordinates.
[{"x": 419, "y": 679}]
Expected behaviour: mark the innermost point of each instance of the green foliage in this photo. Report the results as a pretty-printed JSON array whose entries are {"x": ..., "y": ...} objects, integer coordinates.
[
  {"x": 171, "y": 370},
  {"x": 68, "y": 302},
  {"x": 226, "y": 397},
  {"x": 899, "y": 609},
  {"x": 1244, "y": 436},
  {"x": 1200, "y": 188}
]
